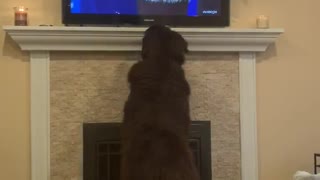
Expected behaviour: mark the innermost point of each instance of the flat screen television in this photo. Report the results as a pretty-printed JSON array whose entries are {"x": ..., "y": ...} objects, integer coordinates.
[{"x": 185, "y": 13}]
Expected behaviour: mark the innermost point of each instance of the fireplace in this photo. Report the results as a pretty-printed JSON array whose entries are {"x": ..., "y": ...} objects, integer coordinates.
[
  {"x": 66, "y": 91},
  {"x": 102, "y": 150}
]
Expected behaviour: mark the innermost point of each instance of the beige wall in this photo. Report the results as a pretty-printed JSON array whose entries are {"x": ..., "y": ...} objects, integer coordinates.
[{"x": 288, "y": 87}]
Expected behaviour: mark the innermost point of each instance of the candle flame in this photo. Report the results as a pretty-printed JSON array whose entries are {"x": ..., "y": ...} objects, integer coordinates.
[{"x": 21, "y": 9}]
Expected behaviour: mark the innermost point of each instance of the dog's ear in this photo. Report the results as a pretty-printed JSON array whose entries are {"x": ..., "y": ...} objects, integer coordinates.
[
  {"x": 178, "y": 47},
  {"x": 145, "y": 49}
]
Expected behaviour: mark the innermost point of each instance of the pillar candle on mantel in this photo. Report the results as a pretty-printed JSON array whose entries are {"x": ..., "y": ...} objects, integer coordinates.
[
  {"x": 262, "y": 22},
  {"x": 20, "y": 16}
]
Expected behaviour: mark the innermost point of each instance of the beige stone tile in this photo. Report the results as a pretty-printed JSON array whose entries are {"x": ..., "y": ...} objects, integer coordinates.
[
  {"x": 212, "y": 63},
  {"x": 105, "y": 105},
  {"x": 107, "y": 74},
  {"x": 69, "y": 105},
  {"x": 226, "y": 165},
  {"x": 65, "y": 149},
  {"x": 67, "y": 74}
]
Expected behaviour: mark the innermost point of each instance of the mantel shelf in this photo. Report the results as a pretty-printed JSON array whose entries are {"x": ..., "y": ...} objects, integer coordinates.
[{"x": 37, "y": 38}]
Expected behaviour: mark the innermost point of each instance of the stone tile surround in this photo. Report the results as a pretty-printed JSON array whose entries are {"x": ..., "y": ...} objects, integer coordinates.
[{"x": 92, "y": 87}]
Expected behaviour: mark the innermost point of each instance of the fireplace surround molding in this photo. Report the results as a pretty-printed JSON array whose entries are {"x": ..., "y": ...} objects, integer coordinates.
[{"x": 40, "y": 41}]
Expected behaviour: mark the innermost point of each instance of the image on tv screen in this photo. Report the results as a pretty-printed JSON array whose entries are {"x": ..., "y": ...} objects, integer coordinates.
[{"x": 147, "y": 7}]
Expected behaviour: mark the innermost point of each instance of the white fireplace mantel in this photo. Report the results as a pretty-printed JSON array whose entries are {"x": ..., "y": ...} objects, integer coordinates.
[
  {"x": 128, "y": 39},
  {"x": 41, "y": 40}
]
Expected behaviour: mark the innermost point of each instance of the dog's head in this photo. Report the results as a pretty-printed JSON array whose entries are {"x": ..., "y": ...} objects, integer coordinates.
[{"x": 161, "y": 43}]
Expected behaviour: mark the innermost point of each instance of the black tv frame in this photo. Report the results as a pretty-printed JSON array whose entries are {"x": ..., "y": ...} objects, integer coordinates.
[{"x": 70, "y": 19}]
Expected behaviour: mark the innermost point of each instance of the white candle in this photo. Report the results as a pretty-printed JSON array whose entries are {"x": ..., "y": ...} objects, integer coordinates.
[{"x": 262, "y": 22}]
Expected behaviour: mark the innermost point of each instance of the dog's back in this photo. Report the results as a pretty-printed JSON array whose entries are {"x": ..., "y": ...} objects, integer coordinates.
[{"x": 156, "y": 121}]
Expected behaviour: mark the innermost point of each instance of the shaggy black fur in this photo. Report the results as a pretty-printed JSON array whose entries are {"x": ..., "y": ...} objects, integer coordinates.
[{"x": 156, "y": 114}]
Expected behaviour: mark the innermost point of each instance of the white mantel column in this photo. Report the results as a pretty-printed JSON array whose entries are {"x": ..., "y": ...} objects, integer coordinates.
[
  {"x": 40, "y": 115},
  {"x": 248, "y": 119}
]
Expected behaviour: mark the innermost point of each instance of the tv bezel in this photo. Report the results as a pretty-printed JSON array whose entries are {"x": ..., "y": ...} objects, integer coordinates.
[{"x": 68, "y": 18}]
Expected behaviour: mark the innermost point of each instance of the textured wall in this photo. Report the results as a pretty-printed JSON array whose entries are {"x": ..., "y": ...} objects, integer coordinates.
[{"x": 85, "y": 90}]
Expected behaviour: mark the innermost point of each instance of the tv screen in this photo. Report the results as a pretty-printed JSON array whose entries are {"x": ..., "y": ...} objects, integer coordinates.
[{"x": 146, "y": 12}]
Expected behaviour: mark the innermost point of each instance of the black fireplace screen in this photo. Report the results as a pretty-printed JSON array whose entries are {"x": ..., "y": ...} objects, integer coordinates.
[{"x": 101, "y": 153}]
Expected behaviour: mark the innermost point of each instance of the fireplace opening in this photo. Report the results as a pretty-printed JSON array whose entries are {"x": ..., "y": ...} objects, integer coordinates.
[{"x": 102, "y": 150}]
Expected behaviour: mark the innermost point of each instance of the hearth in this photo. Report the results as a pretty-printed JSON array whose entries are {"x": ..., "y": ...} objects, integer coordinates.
[{"x": 102, "y": 150}]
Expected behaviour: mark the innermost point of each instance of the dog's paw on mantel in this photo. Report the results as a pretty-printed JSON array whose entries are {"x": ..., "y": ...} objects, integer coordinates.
[{"x": 302, "y": 175}]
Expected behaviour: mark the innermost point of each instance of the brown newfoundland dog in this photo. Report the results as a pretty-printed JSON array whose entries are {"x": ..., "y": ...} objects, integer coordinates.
[{"x": 156, "y": 114}]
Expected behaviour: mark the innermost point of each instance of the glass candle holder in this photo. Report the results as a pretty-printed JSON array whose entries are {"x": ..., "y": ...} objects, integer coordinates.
[
  {"x": 20, "y": 16},
  {"x": 262, "y": 22}
]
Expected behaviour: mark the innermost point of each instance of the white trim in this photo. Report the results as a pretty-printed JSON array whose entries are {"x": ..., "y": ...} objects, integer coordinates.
[
  {"x": 128, "y": 39},
  {"x": 248, "y": 124},
  {"x": 40, "y": 115},
  {"x": 41, "y": 40}
]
